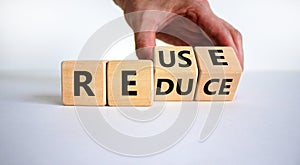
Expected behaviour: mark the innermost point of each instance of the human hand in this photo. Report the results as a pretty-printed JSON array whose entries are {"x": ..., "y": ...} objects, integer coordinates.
[{"x": 180, "y": 23}]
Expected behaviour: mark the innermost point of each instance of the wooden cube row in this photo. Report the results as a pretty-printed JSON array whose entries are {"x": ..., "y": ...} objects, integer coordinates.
[{"x": 176, "y": 74}]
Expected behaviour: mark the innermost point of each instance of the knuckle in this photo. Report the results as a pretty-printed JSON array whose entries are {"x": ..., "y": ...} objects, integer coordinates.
[{"x": 237, "y": 33}]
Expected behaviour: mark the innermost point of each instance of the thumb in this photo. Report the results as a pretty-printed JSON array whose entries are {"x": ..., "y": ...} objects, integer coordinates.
[{"x": 144, "y": 43}]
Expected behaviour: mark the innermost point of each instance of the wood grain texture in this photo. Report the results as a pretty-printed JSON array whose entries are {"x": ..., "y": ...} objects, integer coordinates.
[
  {"x": 124, "y": 77},
  {"x": 97, "y": 69},
  {"x": 177, "y": 64},
  {"x": 219, "y": 73}
]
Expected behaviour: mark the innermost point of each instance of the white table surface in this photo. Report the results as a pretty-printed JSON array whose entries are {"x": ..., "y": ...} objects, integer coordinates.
[{"x": 262, "y": 125}]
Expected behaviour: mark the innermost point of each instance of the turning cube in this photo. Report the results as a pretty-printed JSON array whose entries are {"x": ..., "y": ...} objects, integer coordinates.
[
  {"x": 130, "y": 83},
  {"x": 175, "y": 74},
  {"x": 219, "y": 73},
  {"x": 83, "y": 82}
]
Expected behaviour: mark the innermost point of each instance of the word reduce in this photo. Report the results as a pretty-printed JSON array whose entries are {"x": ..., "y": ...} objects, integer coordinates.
[{"x": 176, "y": 74}]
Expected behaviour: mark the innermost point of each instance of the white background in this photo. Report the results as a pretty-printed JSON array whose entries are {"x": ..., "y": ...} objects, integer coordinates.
[
  {"x": 39, "y": 34},
  {"x": 261, "y": 126}
]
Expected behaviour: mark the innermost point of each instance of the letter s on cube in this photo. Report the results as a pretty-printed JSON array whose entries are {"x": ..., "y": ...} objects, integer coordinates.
[{"x": 175, "y": 73}]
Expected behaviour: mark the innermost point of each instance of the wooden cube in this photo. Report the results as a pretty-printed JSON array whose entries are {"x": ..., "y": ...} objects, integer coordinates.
[
  {"x": 130, "y": 83},
  {"x": 219, "y": 73},
  {"x": 84, "y": 83},
  {"x": 175, "y": 73}
]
